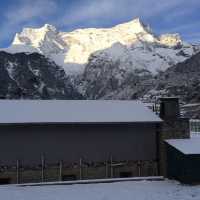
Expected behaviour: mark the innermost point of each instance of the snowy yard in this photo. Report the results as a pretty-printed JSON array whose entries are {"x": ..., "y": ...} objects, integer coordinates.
[{"x": 143, "y": 190}]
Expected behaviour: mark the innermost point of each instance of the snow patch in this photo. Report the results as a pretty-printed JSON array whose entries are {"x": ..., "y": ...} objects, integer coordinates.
[{"x": 10, "y": 69}]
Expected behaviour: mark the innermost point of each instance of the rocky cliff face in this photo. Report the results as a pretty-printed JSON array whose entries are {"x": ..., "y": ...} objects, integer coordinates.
[
  {"x": 114, "y": 77},
  {"x": 112, "y": 74},
  {"x": 181, "y": 80},
  {"x": 32, "y": 76}
]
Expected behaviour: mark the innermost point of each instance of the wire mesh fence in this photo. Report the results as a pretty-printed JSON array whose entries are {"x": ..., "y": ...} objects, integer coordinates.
[{"x": 80, "y": 170}]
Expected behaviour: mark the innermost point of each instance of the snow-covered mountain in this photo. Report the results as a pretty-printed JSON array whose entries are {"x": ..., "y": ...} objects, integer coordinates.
[
  {"x": 133, "y": 43},
  {"x": 127, "y": 61},
  {"x": 181, "y": 80}
]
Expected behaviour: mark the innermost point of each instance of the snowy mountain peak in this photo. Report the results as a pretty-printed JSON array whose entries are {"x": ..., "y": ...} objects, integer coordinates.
[
  {"x": 134, "y": 26},
  {"x": 83, "y": 41},
  {"x": 44, "y": 40},
  {"x": 33, "y": 36},
  {"x": 49, "y": 27},
  {"x": 72, "y": 50},
  {"x": 171, "y": 39}
]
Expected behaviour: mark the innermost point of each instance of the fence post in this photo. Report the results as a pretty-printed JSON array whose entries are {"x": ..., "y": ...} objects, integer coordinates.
[
  {"x": 86, "y": 171},
  {"x": 106, "y": 169},
  {"x": 60, "y": 170},
  {"x": 17, "y": 171},
  {"x": 80, "y": 169},
  {"x": 42, "y": 164},
  {"x": 111, "y": 167},
  {"x": 139, "y": 168}
]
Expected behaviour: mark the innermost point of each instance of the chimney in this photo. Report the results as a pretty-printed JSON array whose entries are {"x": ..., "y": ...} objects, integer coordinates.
[{"x": 169, "y": 108}]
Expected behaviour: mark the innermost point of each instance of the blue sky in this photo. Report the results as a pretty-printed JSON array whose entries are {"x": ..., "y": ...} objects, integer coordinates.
[{"x": 163, "y": 16}]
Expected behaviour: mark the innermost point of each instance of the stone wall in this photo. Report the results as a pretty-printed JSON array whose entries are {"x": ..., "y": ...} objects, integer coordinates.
[{"x": 177, "y": 128}]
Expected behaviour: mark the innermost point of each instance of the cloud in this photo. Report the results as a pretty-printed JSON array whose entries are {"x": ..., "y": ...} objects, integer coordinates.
[
  {"x": 185, "y": 27},
  {"x": 164, "y": 16},
  {"x": 193, "y": 37},
  {"x": 190, "y": 32},
  {"x": 26, "y": 12},
  {"x": 70, "y": 14},
  {"x": 97, "y": 10},
  {"x": 87, "y": 11}
]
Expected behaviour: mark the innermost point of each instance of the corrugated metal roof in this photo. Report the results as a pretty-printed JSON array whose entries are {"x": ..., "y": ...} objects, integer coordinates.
[
  {"x": 186, "y": 146},
  {"x": 68, "y": 111}
]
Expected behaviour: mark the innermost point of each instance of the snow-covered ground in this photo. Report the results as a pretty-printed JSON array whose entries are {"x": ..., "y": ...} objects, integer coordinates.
[{"x": 143, "y": 190}]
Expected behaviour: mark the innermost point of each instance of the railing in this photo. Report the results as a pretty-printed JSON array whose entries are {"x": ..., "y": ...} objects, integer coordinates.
[
  {"x": 82, "y": 170},
  {"x": 195, "y": 127}
]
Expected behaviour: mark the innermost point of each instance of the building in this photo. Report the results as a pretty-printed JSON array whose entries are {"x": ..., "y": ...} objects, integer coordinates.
[
  {"x": 183, "y": 160},
  {"x": 195, "y": 127},
  {"x": 192, "y": 111},
  {"x": 179, "y": 153},
  {"x": 51, "y": 140},
  {"x": 174, "y": 126}
]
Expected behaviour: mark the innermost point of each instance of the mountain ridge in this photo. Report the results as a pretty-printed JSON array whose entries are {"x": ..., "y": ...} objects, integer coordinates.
[
  {"x": 72, "y": 50},
  {"x": 119, "y": 63}
]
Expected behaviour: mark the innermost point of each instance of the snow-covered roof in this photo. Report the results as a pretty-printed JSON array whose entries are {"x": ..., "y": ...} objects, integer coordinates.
[
  {"x": 186, "y": 146},
  {"x": 68, "y": 111}
]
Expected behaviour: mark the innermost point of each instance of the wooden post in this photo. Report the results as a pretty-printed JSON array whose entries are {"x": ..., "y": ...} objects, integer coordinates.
[
  {"x": 18, "y": 171},
  {"x": 86, "y": 171},
  {"x": 111, "y": 167},
  {"x": 60, "y": 170},
  {"x": 42, "y": 164},
  {"x": 80, "y": 169},
  {"x": 139, "y": 168},
  {"x": 106, "y": 169}
]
